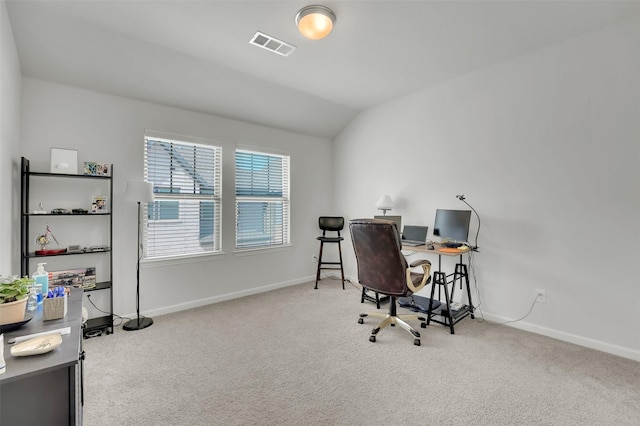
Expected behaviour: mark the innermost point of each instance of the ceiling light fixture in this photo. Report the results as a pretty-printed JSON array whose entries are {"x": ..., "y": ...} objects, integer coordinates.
[{"x": 315, "y": 22}]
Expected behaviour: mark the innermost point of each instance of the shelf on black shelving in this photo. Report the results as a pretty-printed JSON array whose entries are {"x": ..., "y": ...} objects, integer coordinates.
[
  {"x": 66, "y": 214},
  {"x": 99, "y": 286},
  {"x": 66, "y": 175},
  {"x": 99, "y": 322},
  {"x": 66, "y": 253}
]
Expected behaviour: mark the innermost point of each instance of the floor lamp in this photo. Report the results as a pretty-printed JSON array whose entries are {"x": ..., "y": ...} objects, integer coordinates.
[{"x": 139, "y": 192}]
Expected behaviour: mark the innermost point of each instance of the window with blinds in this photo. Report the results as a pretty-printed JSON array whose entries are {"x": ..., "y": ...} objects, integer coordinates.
[
  {"x": 184, "y": 218},
  {"x": 262, "y": 199}
]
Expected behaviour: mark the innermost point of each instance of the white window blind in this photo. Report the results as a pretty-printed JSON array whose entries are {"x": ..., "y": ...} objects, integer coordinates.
[
  {"x": 184, "y": 218},
  {"x": 262, "y": 199}
]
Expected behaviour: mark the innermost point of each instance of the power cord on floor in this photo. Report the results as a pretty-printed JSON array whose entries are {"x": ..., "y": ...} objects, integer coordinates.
[
  {"x": 324, "y": 274},
  {"x": 519, "y": 319},
  {"x": 115, "y": 316}
]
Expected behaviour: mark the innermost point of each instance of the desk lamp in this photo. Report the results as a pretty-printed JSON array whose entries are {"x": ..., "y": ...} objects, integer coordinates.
[
  {"x": 384, "y": 203},
  {"x": 139, "y": 192},
  {"x": 463, "y": 199}
]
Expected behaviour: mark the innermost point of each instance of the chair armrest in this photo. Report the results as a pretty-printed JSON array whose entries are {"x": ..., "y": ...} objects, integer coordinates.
[
  {"x": 426, "y": 271},
  {"x": 419, "y": 262}
]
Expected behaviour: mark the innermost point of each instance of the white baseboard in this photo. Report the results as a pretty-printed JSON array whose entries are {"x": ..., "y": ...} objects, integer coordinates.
[
  {"x": 221, "y": 298},
  {"x": 568, "y": 337}
]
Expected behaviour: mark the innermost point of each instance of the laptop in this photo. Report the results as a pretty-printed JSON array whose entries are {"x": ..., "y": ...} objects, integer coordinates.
[{"x": 414, "y": 236}]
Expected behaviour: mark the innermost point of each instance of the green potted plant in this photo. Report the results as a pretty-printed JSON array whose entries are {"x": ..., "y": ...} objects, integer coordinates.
[{"x": 14, "y": 292}]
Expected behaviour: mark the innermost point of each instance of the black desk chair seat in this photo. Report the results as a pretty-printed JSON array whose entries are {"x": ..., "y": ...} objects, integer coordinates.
[{"x": 330, "y": 224}]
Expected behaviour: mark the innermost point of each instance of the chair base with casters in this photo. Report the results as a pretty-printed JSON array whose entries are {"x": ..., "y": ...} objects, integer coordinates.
[
  {"x": 332, "y": 224},
  {"x": 393, "y": 319},
  {"x": 383, "y": 269}
]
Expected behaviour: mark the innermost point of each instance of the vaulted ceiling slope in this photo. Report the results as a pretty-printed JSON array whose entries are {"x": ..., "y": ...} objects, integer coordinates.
[{"x": 196, "y": 55}]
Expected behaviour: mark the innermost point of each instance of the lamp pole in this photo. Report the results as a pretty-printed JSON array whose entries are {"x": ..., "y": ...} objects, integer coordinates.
[{"x": 464, "y": 200}]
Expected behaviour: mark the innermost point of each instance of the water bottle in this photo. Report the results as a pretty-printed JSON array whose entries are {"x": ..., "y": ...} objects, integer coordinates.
[{"x": 32, "y": 302}]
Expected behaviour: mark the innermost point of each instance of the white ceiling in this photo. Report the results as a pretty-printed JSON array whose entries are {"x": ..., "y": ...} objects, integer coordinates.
[{"x": 195, "y": 54}]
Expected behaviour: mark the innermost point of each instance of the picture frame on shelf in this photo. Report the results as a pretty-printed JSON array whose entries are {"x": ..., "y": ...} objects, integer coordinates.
[
  {"x": 64, "y": 161},
  {"x": 80, "y": 277},
  {"x": 92, "y": 168},
  {"x": 99, "y": 204}
]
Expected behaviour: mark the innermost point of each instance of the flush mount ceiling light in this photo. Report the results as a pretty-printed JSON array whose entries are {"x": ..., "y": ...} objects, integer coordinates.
[{"x": 315, "y": 22}]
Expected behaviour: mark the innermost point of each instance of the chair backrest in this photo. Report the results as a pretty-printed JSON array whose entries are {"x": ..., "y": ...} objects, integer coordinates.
[
  {"x": 381, "y": 265},
  {"x": 331, "y": 223}
]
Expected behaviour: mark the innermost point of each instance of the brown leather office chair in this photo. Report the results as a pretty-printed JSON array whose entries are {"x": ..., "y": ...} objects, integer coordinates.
[
  {"x": 330, "y": 224},
  {"x": 382, "y": 268}
]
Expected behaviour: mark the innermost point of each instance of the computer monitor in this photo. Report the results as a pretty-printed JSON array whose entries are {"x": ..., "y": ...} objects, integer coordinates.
[
  {"x": 452, "y": 225},
  {"x": 396, "y": 219}
]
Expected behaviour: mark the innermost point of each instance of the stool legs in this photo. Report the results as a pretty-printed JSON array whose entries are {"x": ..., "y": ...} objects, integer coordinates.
[
  {"x": 320, "y": 263},
  {"x": 341, "y": 269}
]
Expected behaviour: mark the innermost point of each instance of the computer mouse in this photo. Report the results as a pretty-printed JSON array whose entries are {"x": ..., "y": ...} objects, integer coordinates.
[{"x": 430, "y": 247}]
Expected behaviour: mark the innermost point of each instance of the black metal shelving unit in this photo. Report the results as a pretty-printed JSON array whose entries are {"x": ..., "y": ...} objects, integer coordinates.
[{"x": 105, "y": 322}]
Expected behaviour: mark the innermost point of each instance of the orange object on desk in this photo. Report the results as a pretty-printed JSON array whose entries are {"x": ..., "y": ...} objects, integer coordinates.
[{"x": 453, "y": 250}]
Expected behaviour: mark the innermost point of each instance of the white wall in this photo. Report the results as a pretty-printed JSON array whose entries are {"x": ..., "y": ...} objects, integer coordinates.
[
  {"x": 546, "y": 148},
  {"x": 110, "y": 129},
  {"x": 10, "y": 81}
]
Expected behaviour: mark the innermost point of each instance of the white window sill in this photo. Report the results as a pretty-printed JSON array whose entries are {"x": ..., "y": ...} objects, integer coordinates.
[
  {"x": 180, "y": 260},
  {"x": 261, "y": 250}
]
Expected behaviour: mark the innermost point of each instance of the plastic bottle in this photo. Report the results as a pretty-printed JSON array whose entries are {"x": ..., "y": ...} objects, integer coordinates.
[
  {"x": 32, "y": 302},
  {"x": 42, "y": 277}
]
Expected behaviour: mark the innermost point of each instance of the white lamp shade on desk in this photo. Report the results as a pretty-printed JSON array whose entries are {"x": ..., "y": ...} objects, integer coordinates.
[
  {"x": 384, "y": 203},
  {"x": 138, "y": 191}
]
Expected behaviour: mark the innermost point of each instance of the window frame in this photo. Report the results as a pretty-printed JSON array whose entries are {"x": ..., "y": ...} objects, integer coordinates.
[
  {"x": 184, "y": 198},
  {"x": 283, "y": 238}
]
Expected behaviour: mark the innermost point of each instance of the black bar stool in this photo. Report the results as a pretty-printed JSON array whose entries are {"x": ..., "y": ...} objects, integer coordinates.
[{"x": 331, "y": 224}]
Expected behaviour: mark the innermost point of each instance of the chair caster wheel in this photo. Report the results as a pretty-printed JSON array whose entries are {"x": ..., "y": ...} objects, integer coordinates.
[
  {"x": 360, "y": 321},
  {"x": 372, "y": 339},
  {"x": 423, "y": 325},
  {"x": 416, "y": 342}
]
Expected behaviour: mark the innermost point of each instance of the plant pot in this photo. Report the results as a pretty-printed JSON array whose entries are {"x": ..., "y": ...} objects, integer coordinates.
[{"x": 12, "y": 312}]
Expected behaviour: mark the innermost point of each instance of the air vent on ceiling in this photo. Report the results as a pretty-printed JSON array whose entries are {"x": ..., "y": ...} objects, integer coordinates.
[{"x": 272, "y": 44}]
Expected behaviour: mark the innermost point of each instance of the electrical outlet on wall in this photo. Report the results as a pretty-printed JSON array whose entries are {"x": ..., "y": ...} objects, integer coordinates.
[
  {"x": 314, "y": 258},
  {"x": 541, "y": 295}
]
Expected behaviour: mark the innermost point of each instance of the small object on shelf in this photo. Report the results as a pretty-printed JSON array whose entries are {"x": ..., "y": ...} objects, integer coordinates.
[
  {"x": 64, "y": 161},
  {"x": 73, "y": 277},
  {"x": 96, "y": 248},
  {"x": 44, "y": 240},
  {"x": 74, "y": 249},
  {"x": 60, "y": 211},
  {"x": 79, "y": 211},
  {"x": 92, "y": 168},
  {"x": 99, "y": 204},
  {"x": 41, "y": 209},
  {"x": 50, "y": 252}
]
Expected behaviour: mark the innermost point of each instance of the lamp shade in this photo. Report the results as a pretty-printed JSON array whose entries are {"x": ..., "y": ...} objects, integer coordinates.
[
  {"x": 384, "y": 203},
  {"x": 138, "y": 191},
  {"x": 315, "y": 22}
]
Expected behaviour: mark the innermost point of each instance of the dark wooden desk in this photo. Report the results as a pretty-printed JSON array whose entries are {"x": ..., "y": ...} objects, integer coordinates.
[
  {"x": 45, "y": 389},
  {"x": 442, "y": 280}
]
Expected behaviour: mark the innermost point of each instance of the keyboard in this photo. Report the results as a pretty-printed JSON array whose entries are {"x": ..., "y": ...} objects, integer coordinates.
[
  {"x": 411, "y": 243},
  {"x": 450, "y": 244}
]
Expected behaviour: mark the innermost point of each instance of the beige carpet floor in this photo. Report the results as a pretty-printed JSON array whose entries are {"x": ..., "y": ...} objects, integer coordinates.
[{"x": 297, "y": 356}]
